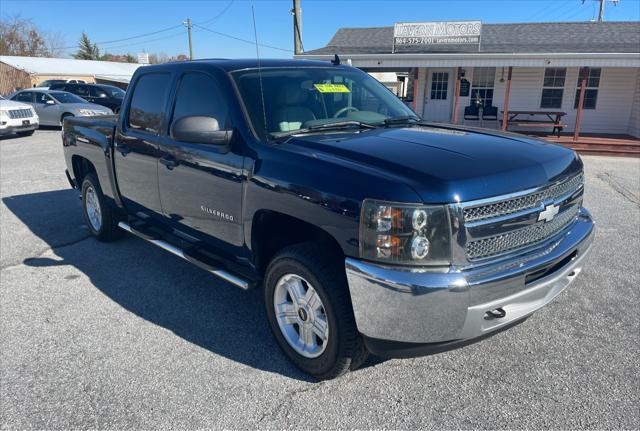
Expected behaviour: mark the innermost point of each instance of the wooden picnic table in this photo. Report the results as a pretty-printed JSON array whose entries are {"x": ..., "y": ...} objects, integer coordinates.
[{"x": 554, "y": 119}]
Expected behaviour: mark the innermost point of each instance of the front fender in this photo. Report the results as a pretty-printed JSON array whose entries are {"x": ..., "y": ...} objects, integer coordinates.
[{"x": 321, "y": 191}]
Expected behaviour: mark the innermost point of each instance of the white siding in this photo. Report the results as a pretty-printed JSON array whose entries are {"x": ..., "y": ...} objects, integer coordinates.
[
  {"x": 634, "y": 118},
  {"x": 613, "y": 113}
]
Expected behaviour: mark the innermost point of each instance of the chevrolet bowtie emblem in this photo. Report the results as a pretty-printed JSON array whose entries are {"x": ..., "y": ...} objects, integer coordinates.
[{"x": 549, "y": 212}]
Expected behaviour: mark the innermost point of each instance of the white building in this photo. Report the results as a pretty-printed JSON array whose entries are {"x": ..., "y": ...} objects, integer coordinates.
[
  {"x": 545, "y": 61},
  {"x": 22, "y": 72}
]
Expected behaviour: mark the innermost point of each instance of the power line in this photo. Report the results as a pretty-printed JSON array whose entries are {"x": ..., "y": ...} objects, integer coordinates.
[
  {"x": 222, "y": 12},
  {"x": 556, "y": 8},
  {"x": 240, "y": 39},
  {"x": 126, "y": 38},
  {"x": 135, "y": 43}
]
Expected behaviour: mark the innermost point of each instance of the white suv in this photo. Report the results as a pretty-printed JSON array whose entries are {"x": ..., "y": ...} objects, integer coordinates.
[{"x": 16, "y": 117}]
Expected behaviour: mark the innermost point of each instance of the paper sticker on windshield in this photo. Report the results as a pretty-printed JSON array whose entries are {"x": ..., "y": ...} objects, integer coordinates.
[{"x": 331, "y": 88}]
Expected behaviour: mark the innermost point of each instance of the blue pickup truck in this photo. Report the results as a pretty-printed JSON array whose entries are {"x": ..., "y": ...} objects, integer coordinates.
[{"x": 368, "y": 230}]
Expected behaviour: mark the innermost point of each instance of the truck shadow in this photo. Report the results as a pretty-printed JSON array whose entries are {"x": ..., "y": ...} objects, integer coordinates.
[{"x": 155, "y": 285}]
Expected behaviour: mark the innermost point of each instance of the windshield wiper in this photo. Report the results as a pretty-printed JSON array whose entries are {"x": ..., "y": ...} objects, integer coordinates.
[
  {"x": 341, "y": 125},
  {"x": 404, "y": 119},
  {"x": 336, "y": 125}
]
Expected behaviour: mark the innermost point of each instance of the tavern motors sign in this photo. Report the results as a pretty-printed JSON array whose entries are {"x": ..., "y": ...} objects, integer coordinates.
[{"x": 431, "y": 33}]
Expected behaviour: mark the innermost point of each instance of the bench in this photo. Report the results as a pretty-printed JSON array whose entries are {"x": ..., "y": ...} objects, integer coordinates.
[{"x": 553, "y": 120}]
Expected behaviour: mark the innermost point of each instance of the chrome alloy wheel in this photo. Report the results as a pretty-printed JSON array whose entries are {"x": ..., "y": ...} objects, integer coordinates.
[
  {"x": 92, "y": 205},
  {"x": 301, "y": 315}
]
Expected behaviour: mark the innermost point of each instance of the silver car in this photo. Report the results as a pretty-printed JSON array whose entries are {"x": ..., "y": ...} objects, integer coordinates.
[{"x": 53, "y": 106}]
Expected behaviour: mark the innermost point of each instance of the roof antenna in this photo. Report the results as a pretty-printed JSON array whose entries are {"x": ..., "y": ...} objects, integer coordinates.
[
  {"x": 336, "y": 60},
  {"x": 255, "y": 35}
]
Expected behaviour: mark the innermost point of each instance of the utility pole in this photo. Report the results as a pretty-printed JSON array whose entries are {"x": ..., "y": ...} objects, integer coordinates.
[
  {"x": 297, "y": 18},
  {"x": 601, "y": 13},
  {"x": 189, "y": 25},
  {"x": 602, "y": 3}
]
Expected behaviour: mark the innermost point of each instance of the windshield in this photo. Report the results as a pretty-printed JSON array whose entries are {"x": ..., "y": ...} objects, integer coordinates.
[
  {"x": 302, "y": 98},
  {"x": 64, "y": 97},
  {"x": 114, "y": 92}
]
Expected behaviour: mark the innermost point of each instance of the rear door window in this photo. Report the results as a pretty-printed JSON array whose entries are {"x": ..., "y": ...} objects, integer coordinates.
[
  {"x": 199, "y": 94},
  {"x": 27, "y": 97},
  {"x": 148, "y": 102}
]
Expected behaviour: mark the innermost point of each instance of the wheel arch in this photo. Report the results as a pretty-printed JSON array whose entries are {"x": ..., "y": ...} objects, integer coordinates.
[
  {"x": 81, "y": 167},
  {"x": 272, "y": 231}
]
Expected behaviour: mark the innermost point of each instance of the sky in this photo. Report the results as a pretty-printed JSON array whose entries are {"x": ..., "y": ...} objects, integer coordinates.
[{"x": 112, "y": 21}]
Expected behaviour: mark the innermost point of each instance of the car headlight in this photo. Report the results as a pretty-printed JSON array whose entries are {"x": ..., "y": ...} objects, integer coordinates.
[
  {"x": 4, "y": 113},
  {"x": 405, "y": 234},
  {"x": 85, "y": 112}
]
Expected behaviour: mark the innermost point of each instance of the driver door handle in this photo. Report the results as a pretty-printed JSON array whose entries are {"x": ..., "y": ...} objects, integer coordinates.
[{"x": 169, "y": 161}]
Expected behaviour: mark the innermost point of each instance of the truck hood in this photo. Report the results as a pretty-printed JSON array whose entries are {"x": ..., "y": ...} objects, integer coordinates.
[{"x": 447, "y": 164}]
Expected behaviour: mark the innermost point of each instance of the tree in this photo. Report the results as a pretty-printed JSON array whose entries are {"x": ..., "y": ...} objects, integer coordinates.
[
  {"x": 87, "y": 50},
  {"x": 19, "y": 36}
]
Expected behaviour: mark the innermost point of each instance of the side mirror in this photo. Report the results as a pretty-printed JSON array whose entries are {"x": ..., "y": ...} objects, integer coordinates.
[
  {"x": 50, "y": 102},
  {"x": 200, "y": 129}
]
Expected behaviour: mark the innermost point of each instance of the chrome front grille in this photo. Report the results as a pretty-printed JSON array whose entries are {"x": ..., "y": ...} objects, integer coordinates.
[
  {"x": 20, "y": 113},
  {"x": 505, "y": 225},
  {"x": 519, "y": 238},
  {"x": 521, "y": 203}
]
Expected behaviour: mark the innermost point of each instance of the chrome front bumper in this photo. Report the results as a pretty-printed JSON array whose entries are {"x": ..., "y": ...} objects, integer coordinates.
[{"x": 414, "y": 306}]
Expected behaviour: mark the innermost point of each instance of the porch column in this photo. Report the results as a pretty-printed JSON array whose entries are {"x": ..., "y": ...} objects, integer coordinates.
[
  {"x": 584, "y": 72},
  {"x": 505, "y": 106},
  {"x": 456, "y": 103},
  {"x": 416, "y": 75}
]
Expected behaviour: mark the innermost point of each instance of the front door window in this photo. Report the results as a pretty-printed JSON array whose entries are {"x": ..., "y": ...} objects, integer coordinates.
[{"x": 439, "y": 85}]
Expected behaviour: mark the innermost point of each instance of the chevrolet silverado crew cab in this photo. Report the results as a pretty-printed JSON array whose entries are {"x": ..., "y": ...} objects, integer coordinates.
[{"x": 368, "y": 230}]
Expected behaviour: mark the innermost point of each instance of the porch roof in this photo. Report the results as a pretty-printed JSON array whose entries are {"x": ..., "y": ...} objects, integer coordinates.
[{"x": 614, "y": 44}]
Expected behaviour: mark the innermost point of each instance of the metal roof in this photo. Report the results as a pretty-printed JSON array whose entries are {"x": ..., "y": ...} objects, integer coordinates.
[
  {"x": 557, "y": 37},
  {"x": 72, "y": 67}
]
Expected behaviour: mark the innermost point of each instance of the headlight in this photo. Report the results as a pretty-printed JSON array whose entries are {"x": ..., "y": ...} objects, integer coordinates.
[
  {"x": 4, "y": 113},
  {"x": 85, "y": 112},
  {"x": 405, "y": 234}
]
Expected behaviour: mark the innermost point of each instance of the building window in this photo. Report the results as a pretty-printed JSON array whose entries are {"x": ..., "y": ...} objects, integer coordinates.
[
  {"x": 553, "y": 87},
  {"x": 591, "y": 92},
  {"x": 439, "y": 85},
  {"x": 482, "y": 91}
]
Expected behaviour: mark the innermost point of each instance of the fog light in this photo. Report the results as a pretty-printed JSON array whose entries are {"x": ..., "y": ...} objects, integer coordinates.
[{"x": 419, "y": 247}]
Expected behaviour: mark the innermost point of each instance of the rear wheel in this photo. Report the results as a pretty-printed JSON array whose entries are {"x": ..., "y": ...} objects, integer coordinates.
[
  {"x": 310, "y": 312},
  {"x": 100, "y": 217}
]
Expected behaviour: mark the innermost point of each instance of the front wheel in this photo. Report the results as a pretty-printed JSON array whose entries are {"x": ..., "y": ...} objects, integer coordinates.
[
  {"x": 65, "y": 116},
  {"x": 99, "y": 216},
  {"x": 310, "y": 313}
]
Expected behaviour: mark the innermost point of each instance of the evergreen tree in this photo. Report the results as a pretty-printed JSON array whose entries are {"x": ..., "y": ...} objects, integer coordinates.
[{"x": 87, "y": 50}]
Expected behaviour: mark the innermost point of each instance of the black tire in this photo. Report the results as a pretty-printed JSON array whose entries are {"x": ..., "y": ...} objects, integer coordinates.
[
  {"x": 108, "y": 229},
  {"x": 26, "y": 133},
  {"x": 345, "y": 348}
]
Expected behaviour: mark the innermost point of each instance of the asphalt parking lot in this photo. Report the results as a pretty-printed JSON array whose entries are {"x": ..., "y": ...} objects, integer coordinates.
[{"x": 125, "y": 335}]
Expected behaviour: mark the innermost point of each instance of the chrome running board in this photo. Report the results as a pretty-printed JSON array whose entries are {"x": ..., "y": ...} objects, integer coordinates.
[{"x": 224, "y": 275}]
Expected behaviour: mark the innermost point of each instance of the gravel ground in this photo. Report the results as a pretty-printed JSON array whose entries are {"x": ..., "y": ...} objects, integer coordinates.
[{"x": 125, "y": 335}]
